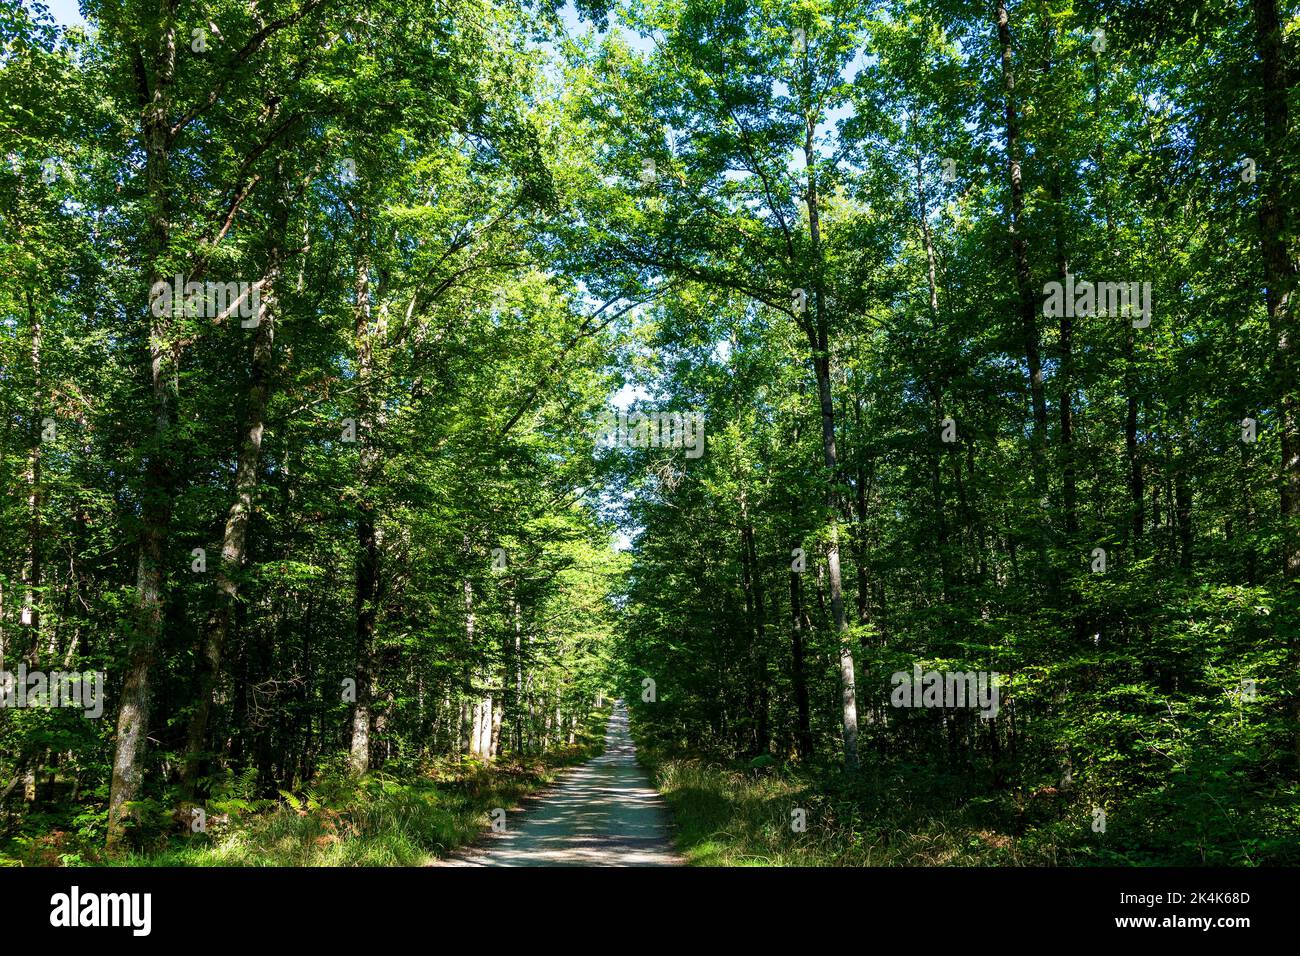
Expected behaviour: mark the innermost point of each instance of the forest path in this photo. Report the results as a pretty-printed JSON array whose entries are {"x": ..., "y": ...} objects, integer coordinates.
[{"x": 604, "y": 813}]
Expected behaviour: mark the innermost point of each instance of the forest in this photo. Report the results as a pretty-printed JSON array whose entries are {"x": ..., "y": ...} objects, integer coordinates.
[{"x": 888, "y": 410}]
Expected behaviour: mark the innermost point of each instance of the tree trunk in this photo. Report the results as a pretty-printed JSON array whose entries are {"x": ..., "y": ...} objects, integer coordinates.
[
  {"x": 368, "y": 536},
  {"x": 819, "y": 340},
  {"x": 798, "y": 680},
  {"x": 517, "y": 705},
  {"x": 32, "y": 574},
  {"x": 494, "y": 742},
  {"x": 1183, "y": 517},
  {"x": 464, "y": 729},
  {"x": 936, "y": 391},
  {"x": 235, "y": 537},
  {"x": 1136, "y": 492},
  {"x": 1276, "y": 220},
  {"x": 758, "y": 657},
  {"x": 157, "y": 493},
  {"x": 1026, "y": 296},
  {"x": 1069, "y": 484},
  {"x": 860, "y": 532}
]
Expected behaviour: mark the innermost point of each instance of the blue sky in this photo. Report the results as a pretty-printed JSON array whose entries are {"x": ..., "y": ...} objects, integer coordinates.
[{"x": 66, "y": 12}]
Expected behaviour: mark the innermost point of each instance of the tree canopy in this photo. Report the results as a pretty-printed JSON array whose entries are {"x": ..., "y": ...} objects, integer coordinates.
[{"x": 948, "y": 338}]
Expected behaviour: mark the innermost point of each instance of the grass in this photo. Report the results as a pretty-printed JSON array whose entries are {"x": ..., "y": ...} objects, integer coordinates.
[
  {"x": 736, "y": 817},
  {"x": 380, "y": 820},
  {"x": 915, "y": 816}
]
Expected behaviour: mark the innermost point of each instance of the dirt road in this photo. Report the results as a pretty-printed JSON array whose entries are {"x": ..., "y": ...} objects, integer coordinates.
[{"x": 604, "y": 813}]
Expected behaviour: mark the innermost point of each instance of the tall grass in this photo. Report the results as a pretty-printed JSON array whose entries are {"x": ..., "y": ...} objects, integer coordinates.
[
  {"x": 906, "y": 815},
  {"x": 738, "y": 817},
  {"x": 379, "y": 820}
]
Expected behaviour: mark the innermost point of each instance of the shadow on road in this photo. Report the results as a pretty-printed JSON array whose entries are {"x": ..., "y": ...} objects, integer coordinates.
[{"x": 604, "y": 813}]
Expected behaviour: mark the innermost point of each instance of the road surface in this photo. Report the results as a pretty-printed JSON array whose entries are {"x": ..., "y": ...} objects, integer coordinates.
[{"x": 604, "y": 813}]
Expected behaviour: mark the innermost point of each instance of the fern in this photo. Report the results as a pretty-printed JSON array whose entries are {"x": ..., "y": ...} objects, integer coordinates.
[{"x": 245, "y": 787}]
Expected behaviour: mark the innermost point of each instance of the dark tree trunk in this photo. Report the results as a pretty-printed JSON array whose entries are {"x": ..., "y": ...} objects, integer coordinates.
[
  {"x": 798, "y": 681},
  {"x": 158, "y": 491},
  {"x": 1276, "y": 220},
  {"x": 235, "y": 537}
]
